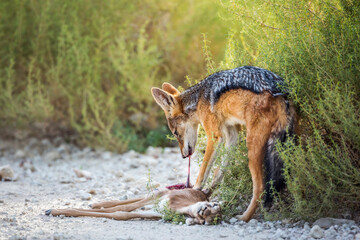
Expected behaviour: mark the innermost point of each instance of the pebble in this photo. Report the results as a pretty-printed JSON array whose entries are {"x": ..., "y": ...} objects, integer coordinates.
[
  {"x": 16, "y": 237},
  {"x": 155, "y": 152},
  {"x": 233, "y": 220},
  {"x": 253, "y": 221},
  {"x": 316, "y": 232},
  {"x": 129, "y": 179},
  {"x": 52, "y": 156},
  {"x": 92, "y": 191},
  {"x": 6, "y": 173},
  {"x": 84, "y": 195},
  {"x": 328, "y": 222},
  {"x": 20, "y": 154},
  {"x": 58, "y": 236},
  {"x": 357, "y": 236},
  {"x": 119, "y": 174},
  {"x": 82, "y": 174}
]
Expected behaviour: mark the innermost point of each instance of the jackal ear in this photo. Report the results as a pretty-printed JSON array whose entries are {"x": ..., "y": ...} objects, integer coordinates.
[
  {"x": 165, "y": 100},
  {"x": 170, "y": 88}
]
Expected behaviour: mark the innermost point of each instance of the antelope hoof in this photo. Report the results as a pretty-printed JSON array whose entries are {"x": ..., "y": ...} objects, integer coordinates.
[{"x": 48, "y": 212}]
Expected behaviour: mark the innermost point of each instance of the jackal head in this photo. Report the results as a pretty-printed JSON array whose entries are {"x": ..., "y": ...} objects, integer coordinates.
[{"x": 182, "y": 125}]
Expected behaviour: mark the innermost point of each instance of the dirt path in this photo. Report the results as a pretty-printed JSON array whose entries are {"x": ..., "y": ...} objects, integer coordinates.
[{"x": 45, "y": 179}]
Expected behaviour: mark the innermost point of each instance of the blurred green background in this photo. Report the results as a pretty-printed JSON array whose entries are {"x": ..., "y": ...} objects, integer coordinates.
[{"x": 87, "y": 66}]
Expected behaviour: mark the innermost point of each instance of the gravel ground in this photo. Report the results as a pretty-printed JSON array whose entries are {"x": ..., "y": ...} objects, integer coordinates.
[{"x": 45, "y": 179}]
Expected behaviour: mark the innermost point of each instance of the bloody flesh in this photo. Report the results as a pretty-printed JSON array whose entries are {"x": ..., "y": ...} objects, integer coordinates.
[{"x": 181, "y": 185}]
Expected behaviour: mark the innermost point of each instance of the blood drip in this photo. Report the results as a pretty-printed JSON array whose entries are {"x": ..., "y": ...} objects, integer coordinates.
[{"x": 181, "y": 185}]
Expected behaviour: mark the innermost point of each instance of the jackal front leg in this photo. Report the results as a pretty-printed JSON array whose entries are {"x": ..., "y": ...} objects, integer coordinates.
[{"x": 207, "y": 162}]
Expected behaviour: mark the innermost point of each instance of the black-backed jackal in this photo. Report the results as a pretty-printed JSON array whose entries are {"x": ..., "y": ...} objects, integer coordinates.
[{"x": 223, "y": 101}]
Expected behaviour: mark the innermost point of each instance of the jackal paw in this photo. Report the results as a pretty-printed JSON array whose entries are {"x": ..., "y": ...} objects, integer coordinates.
[{"x": 242, "y": 218}]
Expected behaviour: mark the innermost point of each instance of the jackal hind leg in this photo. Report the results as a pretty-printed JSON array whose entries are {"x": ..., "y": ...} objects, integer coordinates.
[{"x": 256, "y": 140}]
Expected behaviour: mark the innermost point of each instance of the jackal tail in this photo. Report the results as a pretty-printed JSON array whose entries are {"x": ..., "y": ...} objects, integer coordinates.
[{"x": 274, "y": 178}]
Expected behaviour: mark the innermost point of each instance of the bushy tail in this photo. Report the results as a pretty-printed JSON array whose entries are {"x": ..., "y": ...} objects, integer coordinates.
[{"x": 274, "y": 178}]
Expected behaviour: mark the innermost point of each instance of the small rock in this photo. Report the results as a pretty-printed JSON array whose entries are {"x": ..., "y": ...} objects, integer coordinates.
[
  {"x": 129, "y": 179},
  {"x": 316, "y": 232},
  {"x": 63, "y": 148},
  {"x": 279, "y": 233},
  {"x": 58, "y": 141},
  {"x": 155, "y": 152},
  {"x": 46, "y": 142},
  {"x": 85, "y": 196},
  {"x": 357, "y": 236},
  {"x": 67, "y": 203},
  {"x": 119, "y": 174},
  {"x": 92, "y": 191},
  {"x": 171, "y": 178},
  {"x": 130, "y": 195},
  {"x": 242, "y": 232},
  {"x": 20, "y": 154},
  {"x": 133, "y": 166},
  {"x": 15, "y": 237},
  {"x": 253, "y": 221},
  {"x": 286, "y": 221},
  {"x": 28, "y": 165},
  {"x": 131, "y": 154},
  {"x": 82, "y": 179},
  {"x": 106, "y": 155},
  {"x": 58, "y": 236},
  {"x": 240, "y": 222},
  {"x": 62, "y": 216},
  {"x": 52, "y": 156},
  {"x": 330, "y": 233},
  {"x": 82, "y": 174},
  {"x": 306, "y": 226},
  {"x": 328, "y": 222},
  {"x": 146, "y": 161},
  {"x": 6, "y": 173},
  {"x": 233, "y": 220},
  {"x": 123, "y": 197}
]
